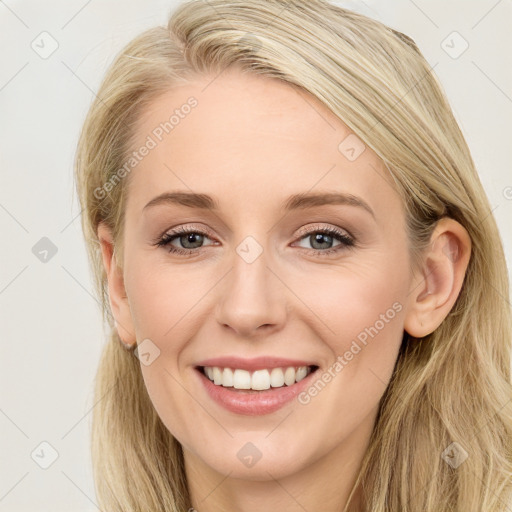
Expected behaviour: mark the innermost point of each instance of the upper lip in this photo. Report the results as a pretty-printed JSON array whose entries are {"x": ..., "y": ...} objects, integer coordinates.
[{"x": 257, "y": 363}]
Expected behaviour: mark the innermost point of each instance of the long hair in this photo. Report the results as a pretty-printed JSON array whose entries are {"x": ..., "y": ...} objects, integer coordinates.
[{"x": 452, "y": 386}]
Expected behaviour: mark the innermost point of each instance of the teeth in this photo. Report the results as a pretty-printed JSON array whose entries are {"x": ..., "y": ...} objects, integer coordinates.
[
  {"x": 241, "y": 379},
  {"x": 276, "y": 377},
  {"x": 258, "y": 380},
  {"x": 227, "y": 377},
  {"x": 289, "y": 376},
  {"x": 217, "y": 375},
  {"x": 301, "y": 373}
]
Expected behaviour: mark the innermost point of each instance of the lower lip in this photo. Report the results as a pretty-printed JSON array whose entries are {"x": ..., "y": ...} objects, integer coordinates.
[{"x": 253, "y": 403}]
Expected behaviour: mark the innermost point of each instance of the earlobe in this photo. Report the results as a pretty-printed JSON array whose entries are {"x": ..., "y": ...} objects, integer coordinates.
[
  {"x": 437, "y": 286},
  {"x": 116, "y": 291}
]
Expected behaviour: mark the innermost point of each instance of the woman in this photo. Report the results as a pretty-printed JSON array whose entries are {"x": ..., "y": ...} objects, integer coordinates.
[{"x": 306, "y": 286}]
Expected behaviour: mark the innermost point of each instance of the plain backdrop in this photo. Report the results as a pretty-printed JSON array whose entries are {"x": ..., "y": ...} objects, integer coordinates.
[{"x": 53, "y": 56}]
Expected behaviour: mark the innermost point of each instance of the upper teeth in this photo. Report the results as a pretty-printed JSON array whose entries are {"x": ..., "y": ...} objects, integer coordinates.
[{"x": 259, "y": 379}]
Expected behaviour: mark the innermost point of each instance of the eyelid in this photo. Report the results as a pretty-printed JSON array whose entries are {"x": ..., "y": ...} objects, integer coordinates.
[
  {"x": 306, "y": 230},
  {"x": 176, "y": 230}
]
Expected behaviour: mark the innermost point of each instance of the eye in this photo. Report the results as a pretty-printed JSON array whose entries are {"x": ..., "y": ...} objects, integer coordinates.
[
  {"x": 322, "y": 238},
  {"x": 192, "y": 240}
]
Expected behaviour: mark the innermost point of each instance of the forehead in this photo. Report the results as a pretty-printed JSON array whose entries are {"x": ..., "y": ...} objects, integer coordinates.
[{"x": 261, "y": 138}]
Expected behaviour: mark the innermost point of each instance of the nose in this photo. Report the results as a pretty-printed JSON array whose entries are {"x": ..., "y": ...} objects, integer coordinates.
[{"x": 252, "y": 300}]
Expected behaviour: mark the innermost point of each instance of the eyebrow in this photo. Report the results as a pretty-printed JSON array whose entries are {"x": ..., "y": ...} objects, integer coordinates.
[{"x": 294, "y": 202}]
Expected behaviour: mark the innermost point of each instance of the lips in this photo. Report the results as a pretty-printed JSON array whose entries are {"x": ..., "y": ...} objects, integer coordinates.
[{"x": 253, "y": 393}]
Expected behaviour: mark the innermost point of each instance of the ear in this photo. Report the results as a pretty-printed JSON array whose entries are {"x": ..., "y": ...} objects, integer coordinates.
[
  {"x": 117, "y": 295},
  {"x": 438, "y": 283}
]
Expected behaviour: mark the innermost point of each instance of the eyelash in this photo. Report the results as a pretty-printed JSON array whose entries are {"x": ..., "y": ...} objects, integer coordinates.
[{"x": 347, "y": 242}]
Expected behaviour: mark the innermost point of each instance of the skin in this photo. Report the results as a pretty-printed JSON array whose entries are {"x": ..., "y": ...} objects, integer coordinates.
[{"x": 251, "y": 143}]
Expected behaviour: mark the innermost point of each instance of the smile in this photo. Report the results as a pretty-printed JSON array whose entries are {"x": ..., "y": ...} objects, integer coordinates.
[
  {"x": 253, "y": 387},
  {"x": 257, "y": 380}
]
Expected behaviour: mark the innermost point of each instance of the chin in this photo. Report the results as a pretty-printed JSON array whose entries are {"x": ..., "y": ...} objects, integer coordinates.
[{"x": 256, "y": 462}]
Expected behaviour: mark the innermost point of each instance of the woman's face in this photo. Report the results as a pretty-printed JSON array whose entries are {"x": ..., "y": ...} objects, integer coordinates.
[{"x": 271, "y": 275}]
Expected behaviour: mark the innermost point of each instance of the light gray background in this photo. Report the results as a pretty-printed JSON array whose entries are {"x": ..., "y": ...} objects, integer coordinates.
[{"x": 51, "y": 326}]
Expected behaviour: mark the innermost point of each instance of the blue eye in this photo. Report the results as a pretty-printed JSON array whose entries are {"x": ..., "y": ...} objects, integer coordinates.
[
  {"x": 196, "y": 237},
  {"x": 327, "y": 235},
  {"x": 185, "y": 237}
]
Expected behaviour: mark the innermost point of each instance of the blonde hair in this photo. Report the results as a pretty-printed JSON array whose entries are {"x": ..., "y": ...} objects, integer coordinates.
[{"x": 450, "y": 386}]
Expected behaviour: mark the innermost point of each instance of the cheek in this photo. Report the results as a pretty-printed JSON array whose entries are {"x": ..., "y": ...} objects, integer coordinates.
[
  {"x": 171, "y": 398},
  {"x": 163, "y": 298},
  {"x": 359, "y": 311},
  {"x": 163, "y": 302},
  {"x": 349, "y": 299},
  {"x": 362, "y": 314}
]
